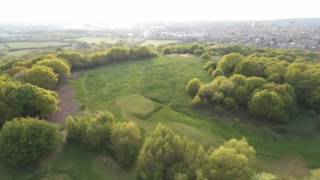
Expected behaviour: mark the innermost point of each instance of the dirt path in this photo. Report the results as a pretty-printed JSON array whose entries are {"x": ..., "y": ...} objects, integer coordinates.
[{"x": 68, "y": 105}]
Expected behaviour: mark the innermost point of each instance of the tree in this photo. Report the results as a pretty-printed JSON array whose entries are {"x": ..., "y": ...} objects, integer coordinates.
[
  {"x": 117, "y": 53},
  {"x": 253, "y": 83},
  {"x": 26, "y": 140},
  {"x": 228, "y": 62},
  {"x": 193, "y": 86},
  {"x": 205, "y": 56},
  {"x": 160, "y": 155},
  {"x": 18, "y": 100},
  {"x": 126, "y": 141},
  {"x": 231, "y": 160},
  {"x": 41, "y": 76},
  {"x": 216, "y": 73},
  {"x": 250, "y": 67},
  {"x": 57, "y": 65},
  {"x": 142, "y": 52},
  {"x": 267, "y": 104}
]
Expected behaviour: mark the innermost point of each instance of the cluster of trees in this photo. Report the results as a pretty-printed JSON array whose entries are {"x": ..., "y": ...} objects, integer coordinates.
[
  {"x": 269, "y": 84},
  {"x": 100, "y": 131},
  {"x": 166, "y": 155},
  {"x": 23, "y": 99},
  {"x": 43, "y": 72},
  {"x": 113, "y": 55}
]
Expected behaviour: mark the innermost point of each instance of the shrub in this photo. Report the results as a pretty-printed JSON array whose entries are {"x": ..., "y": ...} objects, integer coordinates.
[
  {"x": 117, "y": 53},
  {"x": 193, "y": 86},
  {"x": 126, "y": 142},
  {"x": 26, "y": 140},
  {"x": 210, "y": 65}
]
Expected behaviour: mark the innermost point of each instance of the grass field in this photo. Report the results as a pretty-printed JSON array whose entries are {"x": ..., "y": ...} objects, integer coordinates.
[
  {"x": 35, "y": 45},
  {"x": 158, "y": 42},
  {"x": 97, "y": 39}
]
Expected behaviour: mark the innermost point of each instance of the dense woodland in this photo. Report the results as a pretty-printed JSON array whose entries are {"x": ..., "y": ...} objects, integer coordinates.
[{"x": 269, "y": 84}]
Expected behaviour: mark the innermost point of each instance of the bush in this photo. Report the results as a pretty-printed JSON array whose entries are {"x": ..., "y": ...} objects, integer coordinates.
[
  {"x": 26, "y": 140},
  {"x": 210, "y": 65},
  {"x": 193, "y": 86},
  {"x": 126, "y": 142},
  {"x": 117, "y": 53}
]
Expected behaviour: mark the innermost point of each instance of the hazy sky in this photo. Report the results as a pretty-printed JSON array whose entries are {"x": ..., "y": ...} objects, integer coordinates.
[{"x": 133, "y": 11}]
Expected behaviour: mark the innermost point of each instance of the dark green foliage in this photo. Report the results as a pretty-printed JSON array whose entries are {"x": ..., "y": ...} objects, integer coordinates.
[
  {"x": 26, "y": 140},
  {"x": 116, "y": 54}
]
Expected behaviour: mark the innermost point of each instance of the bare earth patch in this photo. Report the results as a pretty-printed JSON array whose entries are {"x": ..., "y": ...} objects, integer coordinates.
[{"x": 68, "y": 105}]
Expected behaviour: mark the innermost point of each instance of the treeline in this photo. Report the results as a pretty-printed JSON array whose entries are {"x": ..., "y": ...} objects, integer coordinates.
[
  {"x": 269, "y": 84},
  {"x": 208, "y": 51},
  {"x": 80, "y": 61}
]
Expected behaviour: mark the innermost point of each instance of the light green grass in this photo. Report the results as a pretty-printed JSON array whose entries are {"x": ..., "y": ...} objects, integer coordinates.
[
  {"x": 157, "y": 42},
  {"x": 98, "y": 40},
  {"x": 35, "y": 45},
  {"x": 163, "y": 80},
  {"x": 137, "y": 105}
]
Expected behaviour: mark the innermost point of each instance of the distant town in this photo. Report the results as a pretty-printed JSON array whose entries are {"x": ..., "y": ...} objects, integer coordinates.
[{"x": 290, "y": 33}]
